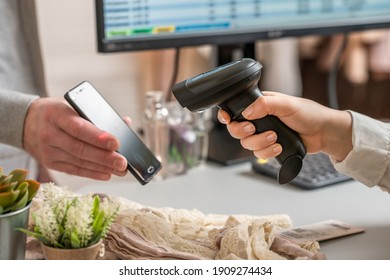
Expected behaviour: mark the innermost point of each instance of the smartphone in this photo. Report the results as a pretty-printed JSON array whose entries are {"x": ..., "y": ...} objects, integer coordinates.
[{"x": 92, "y": 106}]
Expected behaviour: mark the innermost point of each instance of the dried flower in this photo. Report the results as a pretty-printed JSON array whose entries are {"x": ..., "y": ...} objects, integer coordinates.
[{"x": 69, "y": 221}]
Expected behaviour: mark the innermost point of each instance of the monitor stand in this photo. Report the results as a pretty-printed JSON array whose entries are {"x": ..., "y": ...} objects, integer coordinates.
[{"x": 223, "y": 148}]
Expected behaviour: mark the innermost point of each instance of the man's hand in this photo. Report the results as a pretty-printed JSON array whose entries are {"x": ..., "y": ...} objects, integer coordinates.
[{"x": 61, "y": 140}]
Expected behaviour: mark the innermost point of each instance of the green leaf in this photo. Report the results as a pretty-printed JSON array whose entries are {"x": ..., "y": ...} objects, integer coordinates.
[
  {"x": 8, "y": 198},
  {"x": 36, "y": 235},
  {"x": 19, "y": 204},
  {"x": 95, "y": 206},
  {"x": 8, "y": 187},
  {"x": 33, "y": 187},
  {"x": 6, "y": 179},
  {"x": 58, "y": 245},
  {"x": 22, "y": 187},
  {"x": 18, "y": 175},
  {"x": 74, "y": 240},
  {"x": 97, "y": 225}
]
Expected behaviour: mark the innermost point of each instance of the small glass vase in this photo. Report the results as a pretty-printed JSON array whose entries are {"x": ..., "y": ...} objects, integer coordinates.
[{"x": 92, "y": 252}]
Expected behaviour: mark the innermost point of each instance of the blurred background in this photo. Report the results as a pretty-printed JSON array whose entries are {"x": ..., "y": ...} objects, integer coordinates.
[{"x": 296, "y": 66}]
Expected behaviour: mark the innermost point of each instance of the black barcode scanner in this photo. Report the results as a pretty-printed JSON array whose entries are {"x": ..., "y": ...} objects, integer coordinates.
[{"x": 233, "y": 87}]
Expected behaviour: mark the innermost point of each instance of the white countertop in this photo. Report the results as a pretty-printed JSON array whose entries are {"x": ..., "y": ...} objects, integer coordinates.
[{"x": 216, "y": 189}]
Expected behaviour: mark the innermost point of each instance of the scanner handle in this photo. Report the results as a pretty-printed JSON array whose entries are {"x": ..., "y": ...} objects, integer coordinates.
[{"x": 294, "y": 150}]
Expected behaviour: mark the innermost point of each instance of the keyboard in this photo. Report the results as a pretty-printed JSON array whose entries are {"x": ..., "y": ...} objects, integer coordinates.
[{"x": 317, "y": 171}]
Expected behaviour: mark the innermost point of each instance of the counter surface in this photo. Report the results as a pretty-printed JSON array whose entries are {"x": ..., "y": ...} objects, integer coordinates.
[{"x": 215, "y": 189}]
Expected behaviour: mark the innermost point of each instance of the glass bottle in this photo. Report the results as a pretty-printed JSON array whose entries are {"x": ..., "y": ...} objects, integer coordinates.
[{"x": 156, "y": 129}]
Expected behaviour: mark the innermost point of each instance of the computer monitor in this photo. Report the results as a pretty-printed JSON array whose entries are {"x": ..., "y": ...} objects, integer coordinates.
[
  {"x": 129, "y": 25},
  {"x": 134, "y": 25}
]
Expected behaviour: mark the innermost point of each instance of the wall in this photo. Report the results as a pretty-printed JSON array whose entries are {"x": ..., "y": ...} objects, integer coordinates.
[
  {"x": 68, "y": 38},
  {"x": 67, "y": 30}
]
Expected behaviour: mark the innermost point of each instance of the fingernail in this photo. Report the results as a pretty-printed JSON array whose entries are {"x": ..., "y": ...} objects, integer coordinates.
[
  {"x": 222, "y": 120},
  {"x": 277, "y": 149},
  {"x": 120, "y": 164},
  {"x": 121, "y": 173},
  {"x": 249, "y": 128},
  {"x": 248, "y": 111},
  {"x": 271, "y": 137}
]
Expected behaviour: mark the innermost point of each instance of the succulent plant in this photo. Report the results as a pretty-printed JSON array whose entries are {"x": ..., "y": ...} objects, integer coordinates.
[{"x": 15, "y": 190}]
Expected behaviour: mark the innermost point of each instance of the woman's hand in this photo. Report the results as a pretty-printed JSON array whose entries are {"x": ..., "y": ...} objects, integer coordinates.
[{"x": 320, "y": 128}]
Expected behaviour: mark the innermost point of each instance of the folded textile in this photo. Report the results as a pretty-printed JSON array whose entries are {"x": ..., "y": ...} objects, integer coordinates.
[{"x": 141, "y": 232}]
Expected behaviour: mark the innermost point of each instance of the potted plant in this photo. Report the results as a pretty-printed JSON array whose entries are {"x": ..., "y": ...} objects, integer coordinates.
[
  {"x": 16, "y": 194},
  {"x": 72, "y": 226}
]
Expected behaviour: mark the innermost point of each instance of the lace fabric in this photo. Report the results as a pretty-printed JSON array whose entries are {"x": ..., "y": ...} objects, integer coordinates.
[{"x": 141, "y": 232}]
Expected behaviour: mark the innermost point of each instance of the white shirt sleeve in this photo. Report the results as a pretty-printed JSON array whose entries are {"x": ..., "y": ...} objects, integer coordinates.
[{"x": 369, "y": 160}]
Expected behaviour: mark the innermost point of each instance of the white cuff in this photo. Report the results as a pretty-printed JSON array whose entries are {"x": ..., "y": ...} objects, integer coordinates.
[{"x": 369, "y": 160}]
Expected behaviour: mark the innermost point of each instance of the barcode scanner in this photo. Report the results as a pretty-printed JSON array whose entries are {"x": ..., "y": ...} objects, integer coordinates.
[{"x": 233, "y": 87}]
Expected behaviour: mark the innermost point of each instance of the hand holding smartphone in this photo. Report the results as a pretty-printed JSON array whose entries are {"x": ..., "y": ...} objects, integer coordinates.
[{"x": 92, "y": 106}]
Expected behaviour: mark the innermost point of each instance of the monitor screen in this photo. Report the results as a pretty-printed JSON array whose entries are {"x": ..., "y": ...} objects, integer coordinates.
[{"x": 126, "y": 25}]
